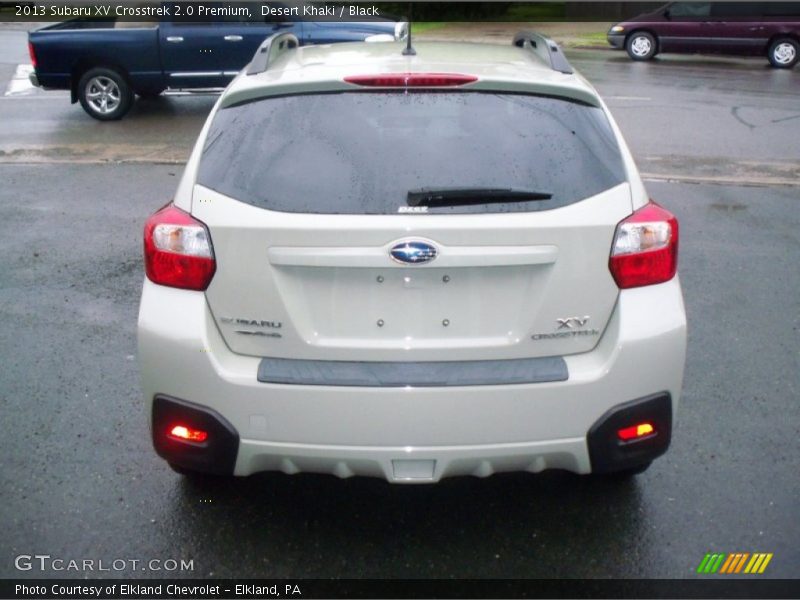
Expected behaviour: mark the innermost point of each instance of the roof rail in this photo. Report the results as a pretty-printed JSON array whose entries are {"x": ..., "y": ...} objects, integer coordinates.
[
  {"x": 270, "y": 49},
  {"x": 544, "y": 48}
]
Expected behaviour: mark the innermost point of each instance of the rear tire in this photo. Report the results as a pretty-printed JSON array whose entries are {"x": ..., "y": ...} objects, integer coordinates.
[
  {"x": 641, "y": 45},
  {"x": 783, "y": 53},
  {"x": 105, "y": 94},
  {"x": 190, "y": 473},
  {"x": 181, "y": 470},
  {"x": 626, "y": 474}
]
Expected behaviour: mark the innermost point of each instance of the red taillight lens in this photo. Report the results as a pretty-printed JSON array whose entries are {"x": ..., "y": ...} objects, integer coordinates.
[
  {"x": 412, "y": 80},
  {"x": 184, "y": 433},
  {"x": 636, "y": 432},
  {"x": 32, "y": 54},
  {"x": 645, "y": 248},
  {"x": 177, "y": 250}
]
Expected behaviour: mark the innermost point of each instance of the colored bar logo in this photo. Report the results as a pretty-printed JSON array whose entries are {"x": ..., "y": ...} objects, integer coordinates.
[{"x": 737, "y": 562}]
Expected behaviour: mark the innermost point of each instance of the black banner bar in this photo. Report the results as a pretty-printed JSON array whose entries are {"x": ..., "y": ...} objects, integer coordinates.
[
  {"x": 256, "y": 11},
  {"x": 202, "y": 589}
]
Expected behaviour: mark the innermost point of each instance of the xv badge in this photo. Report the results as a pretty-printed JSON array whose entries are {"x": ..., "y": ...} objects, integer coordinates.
[{"x": 572, "y": 322}]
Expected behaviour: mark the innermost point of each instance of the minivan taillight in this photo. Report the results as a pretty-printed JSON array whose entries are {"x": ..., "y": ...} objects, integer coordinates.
[
  {"x": 177, "y": 250},
  {"x": 645, "y": 248}
]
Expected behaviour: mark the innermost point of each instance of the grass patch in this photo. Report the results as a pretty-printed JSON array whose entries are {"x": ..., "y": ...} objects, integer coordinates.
[{"x": 591, "y": 39}]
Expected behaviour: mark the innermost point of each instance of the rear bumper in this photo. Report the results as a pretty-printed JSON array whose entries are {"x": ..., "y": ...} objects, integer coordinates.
[
  {"x": 219, "y": 454},
  {"x": 421, "y": 434},
  {"x": 616, "y": 40},
  {"x": 34, "y": 79}
]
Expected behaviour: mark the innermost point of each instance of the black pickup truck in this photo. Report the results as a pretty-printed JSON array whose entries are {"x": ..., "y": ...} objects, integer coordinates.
[{"x": 105, "y": 63}]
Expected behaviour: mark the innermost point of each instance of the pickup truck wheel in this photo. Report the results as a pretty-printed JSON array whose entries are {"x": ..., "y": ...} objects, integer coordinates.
[
  {"x": 104, "y": 94},
  {"x": 641, "y": 45},
  {"x": 783, "y": 53}
]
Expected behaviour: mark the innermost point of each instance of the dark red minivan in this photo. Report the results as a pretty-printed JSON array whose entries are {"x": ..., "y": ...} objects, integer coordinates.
[{"x": 748, "y": 28}]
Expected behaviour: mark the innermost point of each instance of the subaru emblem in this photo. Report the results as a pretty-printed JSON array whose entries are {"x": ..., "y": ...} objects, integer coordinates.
[{"x": 413, "y": 252}]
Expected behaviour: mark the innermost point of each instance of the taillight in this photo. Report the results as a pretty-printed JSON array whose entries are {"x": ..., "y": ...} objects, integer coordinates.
[
  {"x": 32, "y": 54},
  {"x": 412, "y": 80},
  {"x": 177, "y": 250},
  {"x": 188, "y": 434},
  {"x": 645, "y": 248},
  {"x": 636, "y": 432}
]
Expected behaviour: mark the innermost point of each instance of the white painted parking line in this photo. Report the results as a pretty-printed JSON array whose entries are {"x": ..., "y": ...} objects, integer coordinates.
[{"x": 20, "y": 85}]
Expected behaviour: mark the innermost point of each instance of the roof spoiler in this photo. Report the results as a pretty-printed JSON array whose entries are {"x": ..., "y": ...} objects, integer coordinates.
[
  {"x": 270, "y": 49},
  {"x": 544, "y": 48}
]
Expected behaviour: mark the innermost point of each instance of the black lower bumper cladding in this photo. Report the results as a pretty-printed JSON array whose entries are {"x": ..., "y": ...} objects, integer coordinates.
[
  {"x": 616, "y": 41},
  {"x": 609, "y": 454},
  {"x": 216, "y": 455}
]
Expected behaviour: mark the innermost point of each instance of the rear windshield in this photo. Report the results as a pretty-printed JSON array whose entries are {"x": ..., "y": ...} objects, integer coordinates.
[{"x": 363, "y": 152}]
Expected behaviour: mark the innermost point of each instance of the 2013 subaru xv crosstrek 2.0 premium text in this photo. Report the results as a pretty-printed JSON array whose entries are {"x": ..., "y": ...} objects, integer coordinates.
[{"x": 411, "y": 266}]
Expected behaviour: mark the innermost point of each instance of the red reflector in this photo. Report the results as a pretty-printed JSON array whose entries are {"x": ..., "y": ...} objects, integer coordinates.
[
  {"x": 412, "y": 80},
  {"x": 186, "y": 433},
  {"x": 32, "y": 54},
  {"x": 637, "y": 431},
  {"x": 177, "y": 250},
  {"x": 645, "y": 248}
]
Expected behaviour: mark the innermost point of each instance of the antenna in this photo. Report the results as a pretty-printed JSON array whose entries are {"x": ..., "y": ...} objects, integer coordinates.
[{"x": 409, "y": 50}]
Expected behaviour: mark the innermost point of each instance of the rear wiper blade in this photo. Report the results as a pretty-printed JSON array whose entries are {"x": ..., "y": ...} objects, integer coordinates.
[{"x": 459, "y": 196}]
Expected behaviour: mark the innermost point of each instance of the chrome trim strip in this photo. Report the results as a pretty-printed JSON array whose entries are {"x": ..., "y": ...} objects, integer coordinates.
[
  {"x": 197, "y": 74},
  {"x": 380, "y": 257}
]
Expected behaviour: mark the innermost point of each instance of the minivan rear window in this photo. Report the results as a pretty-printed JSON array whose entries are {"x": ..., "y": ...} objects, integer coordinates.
[{"x": 363, "y": 152}]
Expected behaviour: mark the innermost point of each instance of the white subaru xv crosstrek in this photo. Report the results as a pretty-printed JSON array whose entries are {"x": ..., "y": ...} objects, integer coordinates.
[{"x": 411, "y": 264}]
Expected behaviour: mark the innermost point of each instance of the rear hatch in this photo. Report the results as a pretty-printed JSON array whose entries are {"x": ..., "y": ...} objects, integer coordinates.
[{"x": 390, "y": 226}]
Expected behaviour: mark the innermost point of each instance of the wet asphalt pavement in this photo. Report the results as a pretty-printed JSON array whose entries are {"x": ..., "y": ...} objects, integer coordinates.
[{"x": 79, "y": 479}]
